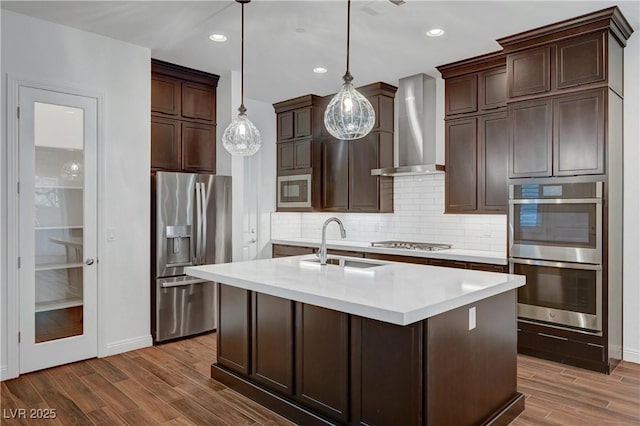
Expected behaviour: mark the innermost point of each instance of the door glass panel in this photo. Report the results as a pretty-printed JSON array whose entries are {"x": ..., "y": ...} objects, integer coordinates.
[
  {"x": 558, "y": 288},
  {"x": 564, "y": 225},
  {"x": 58, "y": 221}
]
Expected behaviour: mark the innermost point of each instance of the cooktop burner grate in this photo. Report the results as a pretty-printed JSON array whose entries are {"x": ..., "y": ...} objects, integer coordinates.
[{"x": 411, "y": 245}]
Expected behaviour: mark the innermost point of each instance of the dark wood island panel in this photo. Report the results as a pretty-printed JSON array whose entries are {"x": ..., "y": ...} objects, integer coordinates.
[{"x": 350, "y": 370}]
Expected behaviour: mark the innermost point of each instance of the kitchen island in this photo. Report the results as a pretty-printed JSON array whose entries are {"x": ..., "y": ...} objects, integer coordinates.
[{"x": 368, "y": 342}]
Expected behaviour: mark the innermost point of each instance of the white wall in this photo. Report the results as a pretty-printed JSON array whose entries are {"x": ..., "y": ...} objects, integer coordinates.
[
  {"x": 631, "y": 247},
  {"x": 44, "y": 52}
]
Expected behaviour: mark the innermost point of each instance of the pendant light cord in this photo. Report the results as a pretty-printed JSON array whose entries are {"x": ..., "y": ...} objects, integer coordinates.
[
  {"x": 347, "y": 75},
  {"x": 242, "y": 109}
]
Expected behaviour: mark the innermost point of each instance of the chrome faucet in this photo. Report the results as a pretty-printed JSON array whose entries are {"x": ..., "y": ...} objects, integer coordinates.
[{"x": 322, "y": 252}]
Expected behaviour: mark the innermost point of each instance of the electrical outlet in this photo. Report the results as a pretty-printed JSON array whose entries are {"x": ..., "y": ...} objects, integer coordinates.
[{"x": 472, "y": 318}]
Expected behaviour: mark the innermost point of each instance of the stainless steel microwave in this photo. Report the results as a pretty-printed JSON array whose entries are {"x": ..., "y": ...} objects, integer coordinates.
[{"x": 294, "y": 191}]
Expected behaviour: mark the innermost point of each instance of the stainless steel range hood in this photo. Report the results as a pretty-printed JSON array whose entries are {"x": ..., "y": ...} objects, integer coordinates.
[{"x": 416, "y": 128}]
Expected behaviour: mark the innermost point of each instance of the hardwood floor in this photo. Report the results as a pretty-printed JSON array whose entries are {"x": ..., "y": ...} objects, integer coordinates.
[{"x": 170, "y": 384}]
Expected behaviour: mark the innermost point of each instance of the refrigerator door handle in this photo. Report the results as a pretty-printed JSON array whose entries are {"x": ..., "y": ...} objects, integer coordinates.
[
  {"x": 203, "y": 194},
  {"x": 198, "y": 224}
]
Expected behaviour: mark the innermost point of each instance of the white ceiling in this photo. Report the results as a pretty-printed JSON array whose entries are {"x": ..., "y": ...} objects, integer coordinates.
[{"x": 285, "y": 40}]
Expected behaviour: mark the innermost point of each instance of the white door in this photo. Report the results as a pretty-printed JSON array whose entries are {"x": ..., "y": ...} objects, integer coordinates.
[{"x": 58, "y": 228}]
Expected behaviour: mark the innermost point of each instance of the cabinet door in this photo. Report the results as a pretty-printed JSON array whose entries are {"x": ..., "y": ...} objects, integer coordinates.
[
  {"x": 580, "y": 60},
  {"x": 364, "y": 188},
  {"x": 285, "y": 125},
  {"x": 461, "y": 95},
  {"x": 461, "y": 165},
  {"x": 530, "y": 135},
  {"x": 165, "y": 95},
  {"x": 302, "y": 154},
  {"x": 386, "y": 373},
  {"x": 529, "y": 72},
  {"x": 493, "y": 157},
  {"x": 272, "y": 342},
  {"x": 303, "y": 122},
  {"x": 198, "y": 147},
  {"x": 285, "y": 156},
  {"x": 322, "y": 360},
  {"x": 578, "y": 133},
  {"x": 492, "y": 89},
  {"x": 166, "y": 151},
  {"x": 233, "y": 328},
  {"x": 198, "y": 101},
  {"x": 383, "y": 108},
  {"x": 335, "y": 175}
]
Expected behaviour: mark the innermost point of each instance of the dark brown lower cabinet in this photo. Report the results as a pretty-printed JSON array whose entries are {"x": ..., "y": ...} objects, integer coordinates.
[
  {"x": 349, "y": 370},
  {"x": 272, "y": 342},
  {"x": 386, "y": 373},
  {"x": 233, "y": 328},
  {"x": 322, "y": 360}
]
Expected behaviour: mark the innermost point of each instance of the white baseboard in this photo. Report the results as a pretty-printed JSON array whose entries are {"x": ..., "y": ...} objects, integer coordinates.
[
  {"x": 631, "y": 355},
  {"x": 127, "y": 345},
  {"x": 4, "y": 373}
]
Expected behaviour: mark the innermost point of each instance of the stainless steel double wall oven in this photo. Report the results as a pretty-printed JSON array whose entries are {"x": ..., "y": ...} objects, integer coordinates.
[{"x": 555, "y": 240}]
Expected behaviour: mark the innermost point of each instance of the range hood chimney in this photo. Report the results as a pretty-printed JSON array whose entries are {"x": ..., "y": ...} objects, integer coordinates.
[{"x": 416, "y": 128}]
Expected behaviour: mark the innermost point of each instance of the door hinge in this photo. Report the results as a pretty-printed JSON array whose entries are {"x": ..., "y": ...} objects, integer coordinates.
[
  {"x": 19, "y": 262},
  {"x": 19, "y": 336},
  {"x": 18, "y": 112},
  {"x": 18, "y": 187}
]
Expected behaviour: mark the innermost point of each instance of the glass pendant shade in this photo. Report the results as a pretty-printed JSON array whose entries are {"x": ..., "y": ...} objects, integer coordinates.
[
  {"x": 241, "y": 137},
  {"x": 349, "y": 115}
]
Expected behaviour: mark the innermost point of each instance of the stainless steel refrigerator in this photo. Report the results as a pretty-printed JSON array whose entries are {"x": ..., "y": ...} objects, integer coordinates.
[{"x": 191, "y": 225}]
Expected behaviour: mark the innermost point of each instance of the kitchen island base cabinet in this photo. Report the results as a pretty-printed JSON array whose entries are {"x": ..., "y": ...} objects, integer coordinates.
[{"x": 458, "y": 367}]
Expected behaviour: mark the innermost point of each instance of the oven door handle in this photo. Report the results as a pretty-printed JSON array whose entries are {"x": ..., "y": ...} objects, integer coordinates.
[
  {"x": 558, "y": 201},
  {"x": 583, "y": 266}
]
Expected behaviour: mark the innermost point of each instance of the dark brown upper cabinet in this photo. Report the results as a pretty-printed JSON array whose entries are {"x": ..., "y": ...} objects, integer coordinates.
[
  {"x": 493, "y": 143},
  {"x": 476, "y": 139},
  {"x": 580, "y": 60},
  {"x": 165, "y": 95},
  {"x": 558, "y": 136},
  {"x": 183, "y": 118},
  {"x": 198, "y": 101},
  {"x": 529, "y": 72},
  {"x": 462, "y": 95},
  {"x": 461, "y": 160},
  {"x": 335, "y": 172},
  {"x": 578, "y": 133},
  {"x": 340, "y": 170},
  {"x": 492, "y": 89},
  {"x": 530, "y": 138},
  {"x": 370, "y": 193}
]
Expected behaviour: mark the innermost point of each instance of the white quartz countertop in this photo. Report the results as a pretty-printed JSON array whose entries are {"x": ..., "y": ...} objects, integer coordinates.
[
  {"x": 398, "y": 293},
  {"x": 480, "y": 256}
]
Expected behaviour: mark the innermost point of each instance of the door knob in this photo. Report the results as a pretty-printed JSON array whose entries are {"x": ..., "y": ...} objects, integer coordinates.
[{"x": 89, "y": 261}]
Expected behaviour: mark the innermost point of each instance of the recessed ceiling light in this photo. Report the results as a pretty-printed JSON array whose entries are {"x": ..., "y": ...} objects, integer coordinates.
[
  {"x": 218, "y": 37},
  {"x": 435, "y": 32},
  {"x": 320, "y": 70}
]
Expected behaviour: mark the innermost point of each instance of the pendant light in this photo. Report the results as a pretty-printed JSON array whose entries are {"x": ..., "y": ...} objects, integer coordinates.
[
  {"x": 349, "y": 115},
  {"x": 241, "y": 137}
]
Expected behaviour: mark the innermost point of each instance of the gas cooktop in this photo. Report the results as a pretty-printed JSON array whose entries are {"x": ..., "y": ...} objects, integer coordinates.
[{"x": 411, "y": 245}]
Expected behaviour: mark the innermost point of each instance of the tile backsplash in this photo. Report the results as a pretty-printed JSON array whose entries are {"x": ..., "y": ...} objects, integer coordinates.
[{"x": 418, "y": 216}]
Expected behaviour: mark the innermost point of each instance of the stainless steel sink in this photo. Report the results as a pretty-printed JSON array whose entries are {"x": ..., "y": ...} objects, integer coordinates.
[{"x": 347, "y": 263}]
